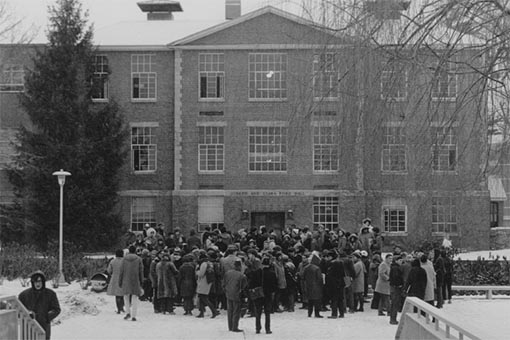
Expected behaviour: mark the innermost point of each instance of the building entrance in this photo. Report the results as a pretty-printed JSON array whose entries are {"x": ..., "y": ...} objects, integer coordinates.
[{"x": 272, "y": 220}]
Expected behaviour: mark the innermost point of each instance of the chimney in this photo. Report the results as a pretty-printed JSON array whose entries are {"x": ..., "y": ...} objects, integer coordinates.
[
  {"x": 159, "y": 9},
  {"x": 232, "y": 9}
]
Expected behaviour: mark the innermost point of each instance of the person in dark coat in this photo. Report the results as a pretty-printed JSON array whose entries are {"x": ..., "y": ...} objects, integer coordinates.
[
  {"x": 131, "y": 280},
  {"x": 396, "y": 288},
  {"x": 312, "y": 277},
  {"x": 335, "y": 284},
  {"x": 440, "y": 274},
  {"x": 41, "y": 302},
  {"x": 448, "y": 276},
  {"x": 234, "y": 283},
  {"x": 167, "y": 283},
  {"x": 113, "y": 271},
  {"x": 187, "y": 283},
  {"x": 416, "y": 280}
]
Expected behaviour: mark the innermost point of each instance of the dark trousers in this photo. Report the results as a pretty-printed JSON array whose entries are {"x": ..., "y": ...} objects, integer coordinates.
[
  {"x": 375, "y": 301},
  {"x": 395, "y": 302},
  {"x": 203, "y": 300},
  {"x": 358, "y": 301},
  {"x": 233, "y": 314},
  {"x": 317, "y": 304},
  {"x": 259, "y": 304},
  {"x": 147, "y": 288},
  {"x": 155, "y": 301},
  {"x": 119, "y": 302},
  {"x": 349, "y": 298},
  {"x": 166, "y": 304},
  {"x": 290, "y": 299},
  {"x": 337, "y": 302},
  {"x": 439, "y": 293},
  {"x": 384, "y": 302},
  {"x": 188, "y": 304},
  {"x": 447, "y": 288}
]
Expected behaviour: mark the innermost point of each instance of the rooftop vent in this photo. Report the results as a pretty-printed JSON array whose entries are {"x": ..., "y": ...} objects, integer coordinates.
[
  {"x": 232, "y": 9},
  {"x": 160, "y": 9}
]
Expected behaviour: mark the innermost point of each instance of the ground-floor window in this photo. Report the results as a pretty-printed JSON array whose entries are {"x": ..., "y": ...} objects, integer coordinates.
[
  {"x": 143, "y": 211},
  {"x": 210, "y": 212},
  {"x": 394, "y": 218},
  {"x": 325, "y": 212},
  {"x": 444, "y": 215},
  {"x": 494, "y": 214}
]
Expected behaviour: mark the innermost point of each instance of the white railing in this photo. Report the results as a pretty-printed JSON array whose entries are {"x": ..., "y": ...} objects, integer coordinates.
[
  {"x": 487, "y": 289},
  {"x": 28, "y": 328},
  {"x": 419, "y": 317}
]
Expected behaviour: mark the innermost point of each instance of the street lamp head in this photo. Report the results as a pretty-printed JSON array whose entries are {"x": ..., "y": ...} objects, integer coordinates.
[{"x": 61, "y": 175}]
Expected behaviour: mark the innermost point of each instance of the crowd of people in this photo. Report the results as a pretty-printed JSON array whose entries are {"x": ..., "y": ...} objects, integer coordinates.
[{"x": 260, "y": 271}]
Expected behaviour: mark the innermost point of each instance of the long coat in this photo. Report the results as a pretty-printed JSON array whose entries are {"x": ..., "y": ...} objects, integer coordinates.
[
  {"x": 203, "y": 287},
  {"x": 167, "y": 279},
  {"x": 312, "y": 277},
  {"x": 416, "y": 282},
  {"x": 131, "y": 275},
  {"x": 187, "y": 279},
  {"x": 431, "y": 280},
  {"x": 114, "y": 272},
  {"x": 335, "y": 275},
  {"x": 358, "y": 284},
  {"x": 382, "y": 285}
]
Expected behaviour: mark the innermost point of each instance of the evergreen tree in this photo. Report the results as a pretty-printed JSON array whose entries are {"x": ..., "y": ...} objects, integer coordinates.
[{"x": 68, "y": 132}]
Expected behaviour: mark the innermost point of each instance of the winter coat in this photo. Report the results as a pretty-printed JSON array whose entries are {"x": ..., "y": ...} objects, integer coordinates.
[
  {"x": 234, "y": 282},
  {"x": 396, "y": 275},
  {"x": 152, "y": 273},
  {"x": 203, "y": 287},
  {"x": 187, "y": 280},
  {"x": 43, "y": 302},
  {"x": 312, "y": 277},
  {"x": 114, "y": 272},
  {"x": 335, "y": 277},
  {"x": 440, "y": 270},
  {"x": 167, "y": 279},
  {"x": 131, "y": 275},
  {"x": 280, "y": 275},
  {"x": 431, "y": 280},
  {"x": 382, "y": 285},
  {"x": 358, "y": 284},
  {"x": 416, "y": 282}
]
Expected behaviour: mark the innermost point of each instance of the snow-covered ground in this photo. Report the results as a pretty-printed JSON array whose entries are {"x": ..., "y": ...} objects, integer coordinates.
[{"x": 89, "y": 315}]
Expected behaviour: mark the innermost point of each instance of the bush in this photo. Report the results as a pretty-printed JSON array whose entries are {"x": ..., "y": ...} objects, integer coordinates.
[{"x": 481, "y": 272}]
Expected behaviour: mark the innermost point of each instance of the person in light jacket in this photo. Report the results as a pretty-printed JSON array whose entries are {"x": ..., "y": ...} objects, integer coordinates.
[
  {"x": 382, "y": 285},
  {"x": 113, "y": 286},
  {"x": 131, "y": 280},
  {"x": 204, "y": 287},
  {"x": 358, "y": 283},
  {"x": 431, "y": 279}
]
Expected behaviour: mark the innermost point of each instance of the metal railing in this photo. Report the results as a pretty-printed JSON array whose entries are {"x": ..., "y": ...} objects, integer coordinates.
[{"x": 28, "y": 328}]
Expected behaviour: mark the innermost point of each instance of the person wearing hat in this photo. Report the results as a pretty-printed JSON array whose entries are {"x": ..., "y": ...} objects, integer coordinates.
[
  {"x": 227, "y": 262},
  {"x": 41, "y": 302},
  {"x": 204, "y": 287},
  {"x": 358, "y": 282},
  {"x": 234, "y": 282},
  {"x": 131, "y": 281},
  {"x": 396, "y": 288},
  {"x": 335, "y": 284},
  {"x": 167, "y": 283},
  {"x": 187, "y": 283},
  {"x": 312, "y": 277},
  {"x": 113, "y": 271}
]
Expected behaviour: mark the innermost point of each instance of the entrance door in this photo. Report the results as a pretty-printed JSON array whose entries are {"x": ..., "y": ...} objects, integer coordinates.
[{"x": 272, "y": 220}]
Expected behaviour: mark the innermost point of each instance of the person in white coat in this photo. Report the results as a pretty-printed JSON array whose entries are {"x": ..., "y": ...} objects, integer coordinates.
[{"x": 431, "y": 279}]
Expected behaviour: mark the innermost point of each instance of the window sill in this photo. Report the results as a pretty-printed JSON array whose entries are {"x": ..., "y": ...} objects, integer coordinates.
[
  {"x": 500, "y": 228},
  {"x": 396, "y": 99},
  {"x": 445, "y": 172},
  {"x": 444, "y": 99},
  {"x": 325, "y": 172},
  {"x": 134, "y": 100},
  {"x": 145, "y": 172},
  {"x": 211, "y": 100},
  {"x": 443, "y": 233},
  {"x": 255, "y": 100},
  {"x": 102, "y": 100},
  {"x": 201, "y": 172},
  {"x": 385, "y": 172},
  {"x": 327, "y": 99},
  {"x": 395, "y": 233},
  {"x": 255, "y": 172}
]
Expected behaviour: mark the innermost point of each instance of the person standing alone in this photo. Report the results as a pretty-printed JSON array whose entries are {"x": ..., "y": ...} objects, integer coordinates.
[
  {"x": 131, "y": 280},
  {"x": 234, "y": 283}
]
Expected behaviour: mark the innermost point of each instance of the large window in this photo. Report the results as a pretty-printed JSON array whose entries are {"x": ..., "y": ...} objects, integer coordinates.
[
  {"x": 325, "y": 212},
  {"x": 394, "y": 82},
  {"x": 394, "y": 219},
  {"x": 210, "y": 212},
  {"x": 325, "y": 76},
  {"x": 325, "y": 147},
  {"x": 143, "y": 148},
  {"x": 212, "y": 75},
  {"x": 143, "y": 76},
  {"x": 268, "y": 76},
  {"x": 444, "y": 148},
  {"x": 100, "y": 78},
  {"x": 13, "y": 78},
  {"x": 444, "y": 215},
  {"x": 394, "y": 149},
  {"x": 211, "y": 145},
  {"x": 494, "y": 214},
  {"x": 445, "y": 81},
  {"x": 143, "y": 212},
  {"x": 268, "y": 148}
]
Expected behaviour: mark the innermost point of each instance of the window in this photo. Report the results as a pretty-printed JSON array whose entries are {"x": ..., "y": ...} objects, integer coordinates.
[
  {"x": 212, "y": 75},
  {"x": 444, "y": 215},
  {"x": 444, "y": 149},
  {"x": 143, "y": 212},
  {"x": 13, "y": 78},
  {"x": 394, "y": 149},
  {"x": 494, "y": 214},
  {"x": 268, "y": 76},
  {"x": 210, "y": 212},
  {"x": 143, "y": 148},
  {"x": 211, "y": 148},
  {"x": 394, "y": 82},
  {"x": 394, "y": 219},
  {"x": 325, "y": 76},
  {"x": 445, "y": 81},
  {"x": 325, "y": 148},
  {"x": 268, "y": 148},
  {"x": 143, "y": 76},
  {"x": 100, "y": 78},
  {"x": 325, "y": 212}
]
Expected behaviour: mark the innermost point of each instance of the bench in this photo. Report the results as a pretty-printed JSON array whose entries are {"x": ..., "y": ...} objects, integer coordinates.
[{"x": 487, "y": 289}]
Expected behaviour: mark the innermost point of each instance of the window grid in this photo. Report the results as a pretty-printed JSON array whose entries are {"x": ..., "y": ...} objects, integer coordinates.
[
  {"x": 445, "y": 82},
  {"x": 268, "y": 148},
  {"x": 394, "y": 149},
  {"x": 325, "y": 148},
  {"x": 494, "y": 212},
  {"x": 394, "y": 83},
  {"x": 143, "y": 212},
  {"x": 395, "y": 220},
  {"x": 212, "y": 75},
  {"x": 144, "y": 147},
  {"x": 325, "y": 212},
  {"x": 211, "y": 148},
  {"x": 100, "y": 78},
  {"x": 325, "y": 76},
  {"x": 444, "y": 215},
  {"x": 143, "y": 77},
  {"x": 444, "y": 150},
  {"x": 13, "y": 78},
  {"x": 267, "y": 76}
]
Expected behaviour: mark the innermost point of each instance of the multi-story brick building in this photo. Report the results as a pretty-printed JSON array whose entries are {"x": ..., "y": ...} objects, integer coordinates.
[{"x": 268, "y": 119}]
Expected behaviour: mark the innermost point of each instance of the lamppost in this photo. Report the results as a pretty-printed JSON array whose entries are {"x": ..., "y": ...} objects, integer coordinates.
[{"x": 61, "y": 175}]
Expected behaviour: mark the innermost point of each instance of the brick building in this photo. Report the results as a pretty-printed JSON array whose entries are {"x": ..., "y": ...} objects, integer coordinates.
[{"x": 269, "y": 119}]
